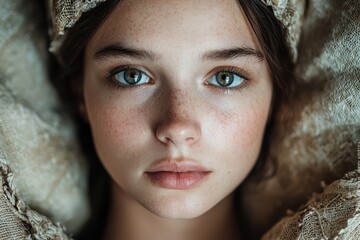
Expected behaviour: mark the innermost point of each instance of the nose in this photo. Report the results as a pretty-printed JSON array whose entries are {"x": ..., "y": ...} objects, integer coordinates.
[
  {"x": 178, "y": 132},
  {"x": 178, "y": 124}
]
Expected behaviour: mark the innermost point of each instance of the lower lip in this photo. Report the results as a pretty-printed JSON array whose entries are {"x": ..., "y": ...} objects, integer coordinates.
[{"x": 177, "y": 180}]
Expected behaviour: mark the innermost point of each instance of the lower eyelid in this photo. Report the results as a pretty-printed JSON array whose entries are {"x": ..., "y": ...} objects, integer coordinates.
[{"x": 242, "y": 86}]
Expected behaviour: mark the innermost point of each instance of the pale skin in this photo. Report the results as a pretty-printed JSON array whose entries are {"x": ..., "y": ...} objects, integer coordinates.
[{"x": 178, "y": 112}]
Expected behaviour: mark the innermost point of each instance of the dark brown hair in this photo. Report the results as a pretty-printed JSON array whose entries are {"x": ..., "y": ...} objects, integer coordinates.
[
  {"x": 71, "y": 53},
  {"x": 271, "y": 36}
]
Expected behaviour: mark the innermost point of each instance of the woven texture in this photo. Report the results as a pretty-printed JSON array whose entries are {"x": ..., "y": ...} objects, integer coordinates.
[
  {"x": 36, "y": 137},
  {"x": 68, "y": 12},
  {"x": 64, "y": 14},
  {"x": 316, "y": 135},
  {"x": 11, "y": 227},
  {"x": 17, "y": 220},
  {"x": 334, "y": 214}
]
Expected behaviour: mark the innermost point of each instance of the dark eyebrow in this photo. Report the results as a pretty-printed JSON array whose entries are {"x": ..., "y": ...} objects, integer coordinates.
[
  {"x": 233, "y": 53},
  {"x": 116, "y": 50}
]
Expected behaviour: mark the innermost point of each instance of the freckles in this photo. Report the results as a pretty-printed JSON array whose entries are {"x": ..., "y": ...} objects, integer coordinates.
[
  {"x": 136, "y": 23},
  {"x": 119, "y": 139},
  {"x": 243, "y": 127},
  {"x": 175, "y": 104},
  {"x": 251, "y": 127},
  {"x": 117, "y": 126},
  {"x": 180, "y": 103}
]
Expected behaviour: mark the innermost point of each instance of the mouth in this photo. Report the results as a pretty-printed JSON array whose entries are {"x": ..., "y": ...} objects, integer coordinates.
[{"x": 177, "y": 173}]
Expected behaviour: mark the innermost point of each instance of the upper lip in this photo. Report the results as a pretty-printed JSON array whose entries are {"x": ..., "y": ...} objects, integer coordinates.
[{"x": 176, "y": 165}]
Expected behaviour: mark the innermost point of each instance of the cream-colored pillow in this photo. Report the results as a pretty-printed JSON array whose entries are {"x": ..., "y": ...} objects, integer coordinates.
[
  {"x": 37, "y": 140},
  {"x": 316, "y": 136}
]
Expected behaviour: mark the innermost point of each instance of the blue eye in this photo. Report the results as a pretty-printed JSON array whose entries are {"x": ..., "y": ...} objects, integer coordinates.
[
  {"x": 226, "y": 79},
  {"x": 131, "y": 76}
]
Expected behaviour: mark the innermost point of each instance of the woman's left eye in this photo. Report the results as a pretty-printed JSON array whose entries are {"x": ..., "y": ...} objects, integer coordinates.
[
  {"x": 131, "y": 76},
  {"x": 226, "y": 79}
]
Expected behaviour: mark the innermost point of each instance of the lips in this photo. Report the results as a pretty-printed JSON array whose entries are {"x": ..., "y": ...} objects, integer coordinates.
[{"x": 177, "y": 173}]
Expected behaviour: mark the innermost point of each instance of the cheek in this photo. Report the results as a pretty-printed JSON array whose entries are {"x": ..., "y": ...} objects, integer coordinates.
[
  {"x": 240, "y": 138},
  {"x": 245, "y": 137},
  {"x": 249, "y": 128},
  {"x": 118, "y": 132},
  {"x": 114, "y": 130}
]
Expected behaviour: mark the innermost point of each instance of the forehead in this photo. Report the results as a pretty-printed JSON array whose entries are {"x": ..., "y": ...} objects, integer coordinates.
[{"x": 173, "y": 24}]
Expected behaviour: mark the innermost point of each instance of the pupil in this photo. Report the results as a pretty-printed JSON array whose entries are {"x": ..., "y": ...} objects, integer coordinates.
[
  {"x": 224, "y": 78},
  {"x": 132, "y": 76}
]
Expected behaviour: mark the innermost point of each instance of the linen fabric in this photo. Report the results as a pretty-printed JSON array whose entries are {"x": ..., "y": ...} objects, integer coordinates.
[
  {"x": 316, "y": 135},
  {"x": 333, "y": 214},
  {"x": 37, "y": 139},
  {"x": 18, "y": 221}
]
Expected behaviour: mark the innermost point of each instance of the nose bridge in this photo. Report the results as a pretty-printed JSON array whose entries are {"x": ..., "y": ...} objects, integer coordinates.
[
  {"x": 179, "y": 123},
  {"x": 178, "y": 104}
]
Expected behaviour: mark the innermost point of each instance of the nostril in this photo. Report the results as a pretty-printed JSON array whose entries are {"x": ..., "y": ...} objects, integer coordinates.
[{"x": 178, "y": 132}]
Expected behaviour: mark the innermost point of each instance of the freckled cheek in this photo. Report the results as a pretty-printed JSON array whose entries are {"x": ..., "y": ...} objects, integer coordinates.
[
  {"x": 240, "y": 137},
  {"x": 250, "y": 128},
  {"x": 250, "y": 121},
  {"x": 116, "y": 134}
]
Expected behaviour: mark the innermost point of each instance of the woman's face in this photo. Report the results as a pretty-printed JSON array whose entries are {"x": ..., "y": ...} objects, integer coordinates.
[{"x": 177, "y": 94}]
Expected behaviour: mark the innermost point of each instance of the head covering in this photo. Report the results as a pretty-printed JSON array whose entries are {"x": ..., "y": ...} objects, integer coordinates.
[
  {"x": 64, "y": 14},
  {"x": 290, "y": 13}
]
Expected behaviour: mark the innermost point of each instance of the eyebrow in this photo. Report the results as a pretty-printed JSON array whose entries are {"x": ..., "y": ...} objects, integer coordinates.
[
  {"x": 233, "y": 53},
  {"x": 116, "y": 50}
]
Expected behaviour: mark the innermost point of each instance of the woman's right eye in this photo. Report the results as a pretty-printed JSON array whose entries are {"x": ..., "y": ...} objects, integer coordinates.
[{"x": 131, "y": 76}]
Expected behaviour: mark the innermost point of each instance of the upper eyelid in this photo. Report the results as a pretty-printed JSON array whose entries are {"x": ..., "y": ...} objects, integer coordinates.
[
  {"x": 233, "y": 69},
  {"x": 118, "y": 69}
]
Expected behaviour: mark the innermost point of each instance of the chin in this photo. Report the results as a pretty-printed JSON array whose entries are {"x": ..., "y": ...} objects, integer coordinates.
[{"x": 178, "y": 206}]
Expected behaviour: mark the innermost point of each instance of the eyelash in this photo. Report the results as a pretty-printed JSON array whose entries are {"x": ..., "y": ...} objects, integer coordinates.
[{"x": 112, "y": 83}]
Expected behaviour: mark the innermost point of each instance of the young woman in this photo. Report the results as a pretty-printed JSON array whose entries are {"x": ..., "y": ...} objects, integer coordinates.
[{"x": 178, "y": 96}]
